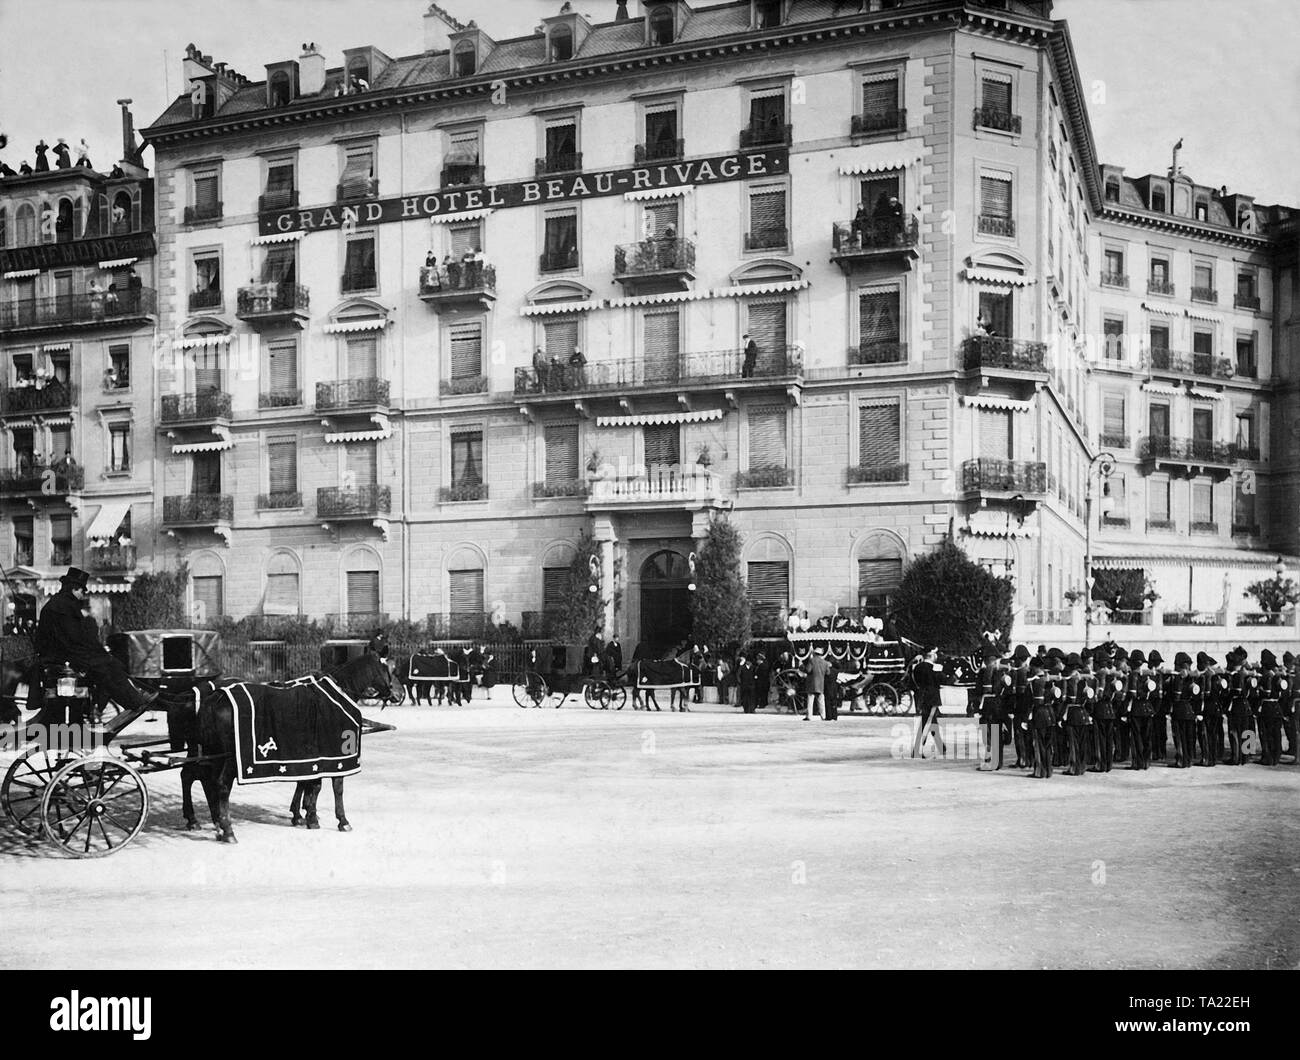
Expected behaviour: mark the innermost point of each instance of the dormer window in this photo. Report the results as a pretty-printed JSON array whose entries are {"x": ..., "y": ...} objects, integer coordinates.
[
  {"x": 1158, "y": 200},
  {"x": 358, "y": 77},
  {"x": 661, "y": 26},
  {"x": 279, "y": 89},
  {"x": 561, "y": 44},
  {"x": 767, "y": 13},
  {"x": 464, "y": 62},
  {"x": 1112, "y": 191},
  {"x": 1202, "y": 210}
]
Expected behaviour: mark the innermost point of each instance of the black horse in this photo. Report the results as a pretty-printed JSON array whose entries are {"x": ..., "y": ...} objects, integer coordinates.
[{"x": 211, "y": 735}]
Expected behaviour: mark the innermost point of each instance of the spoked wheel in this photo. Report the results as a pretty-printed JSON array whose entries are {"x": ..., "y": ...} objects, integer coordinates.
[
  {"x": 906, "y": 704},
  {"x": 881, "y": 698},
  {"x": 24, "y": 785},
  {"x": 596, "y": 693},
  {"x": 94, "y": 806},
  {"x": 529, "y": 690},
  {"x": 616, "y": 696}
]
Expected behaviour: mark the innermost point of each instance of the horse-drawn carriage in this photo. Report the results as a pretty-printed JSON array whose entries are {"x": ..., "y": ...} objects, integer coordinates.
[{"x": 540, "y": 684}]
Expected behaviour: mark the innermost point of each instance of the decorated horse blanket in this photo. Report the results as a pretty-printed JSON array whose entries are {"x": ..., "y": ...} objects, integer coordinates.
[
  {"x": 664, "y": 673},
  {"x": 435, "y": 668},
  {"x": 303, "y": 731}
]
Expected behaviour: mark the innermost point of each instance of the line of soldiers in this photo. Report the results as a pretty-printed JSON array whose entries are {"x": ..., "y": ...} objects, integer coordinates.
[{"x": 1092, "y": 709}]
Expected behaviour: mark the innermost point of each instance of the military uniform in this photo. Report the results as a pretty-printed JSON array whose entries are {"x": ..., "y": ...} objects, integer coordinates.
[
  {"x": 1290, "y": 670},
  {"x": 1021, "y": 704},
  {"x": 1041, "y": 723},
  {"x": 1182, "y": 708},
  {"x": 1159, "y": 708},
  {"x": 1080, "y": 691},
  {"x": 1239, "y": 713},
  {"x": 1270, "y": 709},
  {"x": 1110, "y": 698},
  {"x": 1209, "y": 717},
  {"x": 1138, "y": 697}
]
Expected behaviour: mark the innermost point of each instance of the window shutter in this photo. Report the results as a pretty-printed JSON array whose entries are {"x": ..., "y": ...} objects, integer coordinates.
[
  {"x": 463, "y": 148},
  {"x": 282, "y": 461},
  {"x": 880, "y": 96},
  {"x": 997, "y": 95},
  {"x": 279, "y": 265},
  {"x": 282, "y": 366},
  {"x": 767, "y": 326},
  {"x": 205, "y": 192},
  {"x": 1202, "y": 502},
  {"x": 1112, "y": 414},
  {"x": 208, "y": 596},
  {"x": 662, "y": 345},
  {"x": 279, "y": 178},
  {"x": 877, "y": 317},
  {"x": 1158, "y": 500},
  {"x": 207, "y": 370},
  {"x": 466, "y": 351},
  {"x": 995, "y": 434},
  {"x": 357, "y": 170},
  {"x": 995, "y": 196},
  {"x": 662, "y": 443},
  {"x": 464, "y": 239},
  {"x": 879, "y": 577},
  {"x": 767, "y": 427},
  {"x": 363, "y": 592},
  {"x": 879, "y": 444},
  {"x": 362, "y": 463},
  {"x": 767, "y": 211},
  {"x": 561, "y": 338},
  {"x": 659, "y": 216},
  {"x": 363, "y": 357},
  {"x": 561, "y": 453},
  {"x": 768, "y": 582},
  {"x": 281, "y": 594},
  {"x": 465, "y": 591},
  {"x": 555, "y": 586}
]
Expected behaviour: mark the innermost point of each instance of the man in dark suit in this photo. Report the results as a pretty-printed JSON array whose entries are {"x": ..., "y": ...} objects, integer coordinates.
[
  {"x": 1020, "y": 706},
  {"x": 762, "y": 678},
  {"x": 613, "y": 657},
  {"x": 591, "y": 654},
  {"x": 746, "y": 684},
  {"x": 1208, "y": 714},
  {"x": 1140, "y": 686},
  {"x": 1182, "y": 709},
  {"x": 1289, "y": 693},
  {"x": 1041, "y": 720},
  {"x": 925, "y": 676},
  {"x": 815, "y": 671},
  {"x": 1159, "y": 708}
]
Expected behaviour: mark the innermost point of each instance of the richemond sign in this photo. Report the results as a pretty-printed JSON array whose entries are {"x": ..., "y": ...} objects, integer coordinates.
[{"x": 579, "y": 186}]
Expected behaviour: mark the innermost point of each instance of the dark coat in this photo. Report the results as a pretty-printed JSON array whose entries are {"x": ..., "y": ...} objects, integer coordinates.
[{"x": 63, "y": 633}]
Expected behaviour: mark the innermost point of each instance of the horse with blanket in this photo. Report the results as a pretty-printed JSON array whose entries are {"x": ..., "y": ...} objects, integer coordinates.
[
  {"x": 651, "y": 675},
  {"x": 300, "y": 732}
]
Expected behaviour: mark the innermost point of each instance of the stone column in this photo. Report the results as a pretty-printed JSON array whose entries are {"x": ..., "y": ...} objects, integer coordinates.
[{"x": 606, "y": 536}]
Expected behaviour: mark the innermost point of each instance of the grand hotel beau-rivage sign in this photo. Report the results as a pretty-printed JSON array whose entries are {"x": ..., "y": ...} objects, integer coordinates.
[{"x": 531, "y": 192}]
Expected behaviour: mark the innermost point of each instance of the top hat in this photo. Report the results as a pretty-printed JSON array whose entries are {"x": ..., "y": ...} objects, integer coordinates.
[
  {"x": 75, "y": 578},
  {"x": 1288, "y": 660}
]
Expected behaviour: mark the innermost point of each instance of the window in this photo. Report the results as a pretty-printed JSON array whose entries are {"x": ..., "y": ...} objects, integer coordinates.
[
  {"x": 464, "y": 239},
  {"x": 61, "y": 540},
  {"x": 1247, "y": 442},
  {"x": 661, "y": 220},
  {"x": 1159, "y": 338},
  {"x": 467, "y": 458},
  {"x": 25, "y": 225},
  {"x": 1202, "y": 501},
  {"x": 1113, "y": 420},
  {"x": 1114, "y": 275},
  {"x": 362, "y": 353},
  {"x": 766, "y": 325},
  {"x": 207, "y": 281},
  {"x": 24, "y": 541},
  {"x": 1158, "y": 200},
  {"x": 766, "y": 119},
  {"x": 119, "y": 367},
  {"x": 1158, "y": 500},
  {"x": 357, "y": 179},
  {"x": 279, "y": 186},
  {"x": 880, "y": 110},
  {"x": 358, "y": 74},
  {"x": 561, "y": 44},
  {"x": 995, "y": 205},
  {"x": 662, "y": 444},
  {"x": 363, "y": 592},
  {"x": 880, "y": 572},
  {"x": 208, "y": 377},
  {"x": 767, "y": 225},
  {"x": 280, "y": 374},
  {"x": 209, "y": 596},
  {"x": 205, "y": 474},
  {"x": 1202, "y": 425},
  {"x": 359, "y": 265},
  {"x": 560, "y": 338},
  {"x": 360, "y": 466},
  {"x": 660, "y": 25},
  {"x": 1113, "y": 334},
  {"x": 207, "y": 196},
  {"x": 1246, "y": 289},
  {"x": 466, "y": 351},
  {"x": 767, "y": 437},
  {"x": 1203, "y": 343},
  {"x": 562, "y": 147},
  {"x": 1116, "y": 489},
  {"x": 1243, "y": 508},
  {"x": 280, "y": 265},
  {"x": 662, "y": 335},
  {"x": 465, "y": 592},
  {"x": 561, "y": 454},
  {"x": 767, "y": 587},
  {"x": 767, "y": 14},
  {"x": 874, "y": 193},
  {"x": 880, "y": 442},
  {"x": 560, "y": 241},
  {"x": 464, "y": 60},
  {"x": 995, "y": 94},
  {"x": 878, "y": 326},
  {"x": 282, "y": 591},
  {"x": 1158, "y": 421},
  {"x": 1246, "y": 363},
  {"x": 661, "y": 137},
  {"x": 995, "y": 434},
  {"x": 555, "y": 588},
  {"x": 1112, "y": 191},
  {"x": 119, "y": 448},
  {"x": 1202, "y": 276},
  {"x": 282, "y": 466},
  {"x": 279, "y": 89},
  {"x": 995, "y": 310},
  {"x": 4, "y": 225}
]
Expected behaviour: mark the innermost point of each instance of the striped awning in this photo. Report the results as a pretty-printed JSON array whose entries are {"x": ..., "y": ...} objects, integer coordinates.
[
  {"x": 1209, "y": 318},
  {"x": 383, "y": 429},
  {"x": 762, "y": 288},
  {"x": 222, "y": 443},
  {"x": 56, "y": 347},
  {"x": 108, "y": 588},
  {"x": 659, "y": 299},
  {"x": 279, "y": 237},
  {"x": 1004, "y": 404},
  {"x": 1188, "y": 557},
  {"x": 1211, "y": 395},
  {"x": 541, "y": 309},
  {"x": 869, "y": 160},
  {"x": 1011, "y": 279},
  {"x": 658, "y": 193},
  {"x": 463, "y": 215},
  {"x": 21, "y": 274},
  {"x": 118, "y": 263},
  {"x": 108, "y": 519},
  {"x": 1161, "y": 388},
  {"x": 1161, "y": 310},
  {"x": 344, "y": 327},
  {"x": 205, "y": 341},
  {"x": 989, "y": 524},
  {"x": 702, "y": 416}
]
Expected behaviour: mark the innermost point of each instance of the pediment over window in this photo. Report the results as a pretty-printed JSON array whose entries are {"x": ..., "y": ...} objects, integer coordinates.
[{"x": 766, "y": 270}]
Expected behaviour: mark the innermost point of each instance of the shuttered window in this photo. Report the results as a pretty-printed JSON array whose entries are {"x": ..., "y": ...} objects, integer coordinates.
[
  {"x": 464, "y": 239},
  {"x": 767, "y": 437},
  {"x": 767, "y": 212},
  {"x": 466, "y": 351},
  {"x": 361, "y": 463},
  {"x": 555, "y": 586},
  {"x": 1116, "y": 488},
  {"x": 207, "y": 473},
  {"x": 363, "y": 592},
  {"x": 209, "y": 597},
  {"x": 280, "y": 265},
  {"x": 1158, "y": 499},
  {"x": 768, "y": 582},
  {"x": 1112, "y": 414},
  {"x": 996, "y": 95},
  {"x": 465, "y": 592},
  {"x": 561, "y": 453},
  {"x": 1158, "y": 420},
  {"x": 1243, "y": 506},
  {"x": 281, "y": 594},
  {"x": 880, "y": 95},
  {"x": 279, "y": 178},
  {"x": 878, "y": 317},
  {"x": 662, "y": 443},
  {"x": 662, "y": 345},
  {"x": 1202, "y": 501},
  {"x": 767, "y": 326},
  {"x": 205, "y": 192},
  {"x": 879, "y": 435},
  {"x": 282, "y": 365},
  {"x": 995, "y": 434},
  {"x": 282, "y": 465},
  {"x": 879, "y": 577},
  {"x": 995, "y": 196},
  {"x": 561, "y": 338},
  {"x": 462, "y": 148},
  {"x": 363, "y": 356},
  {"x": 467, "y": 458},
  {"x": 659, "y": 218},
  {"x": 358, "y": 168}
]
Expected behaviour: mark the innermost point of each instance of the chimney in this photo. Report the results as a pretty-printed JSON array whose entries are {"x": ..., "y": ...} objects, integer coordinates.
[
  {"x": 194, "y": 65},
  {"x": 128, "y": 129},
  {"x": 438, "y": 24},
  {"x": 311, "y": 71}
]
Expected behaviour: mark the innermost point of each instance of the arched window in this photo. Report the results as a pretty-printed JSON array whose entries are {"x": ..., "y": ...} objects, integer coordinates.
[
  {"x": 121, "y": 213},
  {"x": 767, "y": 583},
  {"x": 464, "y": 61},
  {"x": 207, "y": 588},
  {"x": 63, "y": 224},
  {"x": 283, "y": 590},
  {"x": 561, "y": 44},
  {"x": 361, "y": 585},
  {"x": 880, "y": 572},
  {"x": 465, "y": 593},
  {"x": 4, "y": 225},
  {"x": 358, "y": 74},
  {"x": 661, "y": 26},
  {"x": 279, "y": 89},
  {"x": 25, "y": 225}
]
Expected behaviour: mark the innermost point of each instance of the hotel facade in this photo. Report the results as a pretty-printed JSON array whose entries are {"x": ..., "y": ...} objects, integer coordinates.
[{"x": 844, "y": 273}]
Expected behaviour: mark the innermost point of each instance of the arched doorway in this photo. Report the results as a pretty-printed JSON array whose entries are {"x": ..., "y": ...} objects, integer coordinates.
[{"x": 665, "y": 600}]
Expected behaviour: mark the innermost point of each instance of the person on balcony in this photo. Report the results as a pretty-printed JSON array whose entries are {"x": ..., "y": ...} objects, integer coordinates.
[
  {"x": 556, "y": 376},
  {"x": 577, "y": 369},
  {"x": 110, "y": 299},
  {"x": 750, "y": 361},
  {"x": 134, "y": 287},
  {"x": 541, "y": 370},
  {"x": 62, "y": 159},
  {"x": 452, "y": 269},
  {"x": 472, "y": 268},
  {"x": 5, "y": 171}
]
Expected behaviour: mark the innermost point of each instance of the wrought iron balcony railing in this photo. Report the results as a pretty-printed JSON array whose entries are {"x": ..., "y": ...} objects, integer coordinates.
[
  {"x": 269, "y": 502},
  {"x": 465, "y": 384},
  {"x": 110, "y": 559},
  {"x": 1160, "y": 524},
  {"x": 202, "y": 508},
  {"x": 878, "y": 353},
  {"x": 52, "y": 480},
  {"x": 764, "y": 134},
  {"x": 358, "y": 280},
  {"x": 278, "y": 200},
  {"x": 1114, "y": 441},
  {"x": 51, "y": 397},
  {"x": 570, "y": 162},
  {"x": 767, "y": 238},
  {"x": 1204, "y": 294},
  {"x": 1246, "y": 301},
  {"x": 996, "y": 118},
  {"x": 1114, "y": 279},
  {"x": 574, "y": 487},
  {"x": 894, "y": 119},
  {"x": 1155, "y": 286},
  {"x": 996, "y": 225},
  {"x": 279, "y": 399},
  {"x": 660, "y": 151},
  {"x": 860, "y": 474},
  {"x": 1202, "y": 364},
  {"x": 78, "y": 308},
  {"x": 1185, "y": 450},
  {"x": 873, "y": 236},
  {"x": 352, "y": 393},
  {"x": 460, "y": 174},
  {"x": 987, "y": 474},
  {"x": 633, "y": 372},
  {"x": 192, "y": 408},
  {"x": 463, "y": 492},
  {"x": 653, "y": 256},
  {"x": 760, "y": 478},
  {"x": 208, "y": 212},
  {"x": 1204, "y": 526},
  {"x": 210, "y": 299},
  {"x": 1120, "y": 522},
  {"x": 364, "y": 188},
  {"x": 262, "y": 299},
  {"x": 557, "y": 260},
  {"x": 332, "y": 502},
  {"x": 457, "y": 277},
  {"x": 994, "y": 351}
]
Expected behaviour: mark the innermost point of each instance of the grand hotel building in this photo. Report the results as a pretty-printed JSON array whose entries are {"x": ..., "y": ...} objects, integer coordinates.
[{"x": 426, "y": 320}]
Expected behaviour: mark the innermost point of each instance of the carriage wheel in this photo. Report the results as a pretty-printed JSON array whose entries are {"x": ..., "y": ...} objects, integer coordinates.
[
  {"x": 94, "y": 806},
  {"x": 906, "y": 704},
  {"x": 596, "y": 693},
  {"x": 881, "y": 698},
  {"x": 25, "y": 782},
  {"x": 529, "y": 689},
  {"x": 616, "y": 696}
]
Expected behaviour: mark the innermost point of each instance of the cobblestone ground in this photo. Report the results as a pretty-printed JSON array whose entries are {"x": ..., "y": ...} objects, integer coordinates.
[{"x": 491, "y": 836}]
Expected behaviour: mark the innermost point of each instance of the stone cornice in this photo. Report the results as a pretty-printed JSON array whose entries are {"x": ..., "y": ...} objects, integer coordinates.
[{"x": 1183, "y": 226}]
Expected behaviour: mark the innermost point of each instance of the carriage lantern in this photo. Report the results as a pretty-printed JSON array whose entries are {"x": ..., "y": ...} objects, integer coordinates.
[
  {"x": 67, "y": 684},
  {"x": 593, "y": 567},
  {"x": 690, "y": 560}
]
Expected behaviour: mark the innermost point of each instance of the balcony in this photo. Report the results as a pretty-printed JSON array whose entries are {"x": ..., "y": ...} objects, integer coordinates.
[
  {"x": 1116, "y": 522},
  {"x": 279, "y": 399},
  {"x": 1188, "y": 453},
  {"x": 1164, "y": 287},
  {"x": 110, "y": 559},
  {"x": 989, "y": 475},
  {"x": 198, "y": 509},
  {"x": 1160, "y": 525},
  {"x": 363, "y": 394},
  {"x": 459, "y": 625},
  {"x": 1204, "y": 365},
  {"x": 767, "y": 239},
  {"x": 462, "y": 385},
  {"x": 205, "y": 301},
  {"x": 993, "y": 354},
  {"x": 655, "y": 264},
  {"x": 995, "y": 225},
  {"x": 462, "y": 174},
  {"x": 1193, "y": 618},
  {"x": 561, "y": 163},
  {"x": 876, "y": 474},
  {"x": 1266, "y": 618},
  {"x": 1203, "y": 526},
  {"x": 765, "y": 478},
  {"x": 557, "y": 260},
  {"x": 199, "y": 214},
  {"x": 1245, "y": 452},
  {"x": 277, "y": 200},
  {"x": 1114, "y": 279},
  {"x": 877, "y": 353},
  {"x": 1114, "y": 441},
  {"x": 274, "y": 305},
  {"x": 52, "y": 397},
  {"x": 692, "y": 371},
  {"x": 1246, "y": 301},
  {"x": 755, "y": 135},
  {"x": 354, "y": 280},
  {"x": 660, "y": 151},
  {"x": 459, "y": 285},
  {"x": 53, "y": 481},
  {"x": 364, "y": 502},
  {"x": 996, "y": 118},
  {"x": 684, "y": 487},
  {"x": 464, "y": 493},
  {"x": 211, "y": 406},
  {"x": 81, "y": 310},
  {"x": 551, "y": 490},
  {"x": 893, "y": 120},
  {"x": 1204, "y": 294},
  {"x": 271, "y": 502},
  {"x": 855, "y": 243},
  {"x": 354, "y": 190}
]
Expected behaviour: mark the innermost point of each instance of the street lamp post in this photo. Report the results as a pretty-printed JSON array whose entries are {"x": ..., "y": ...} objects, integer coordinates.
[{"x": 1103, "y": 464}]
